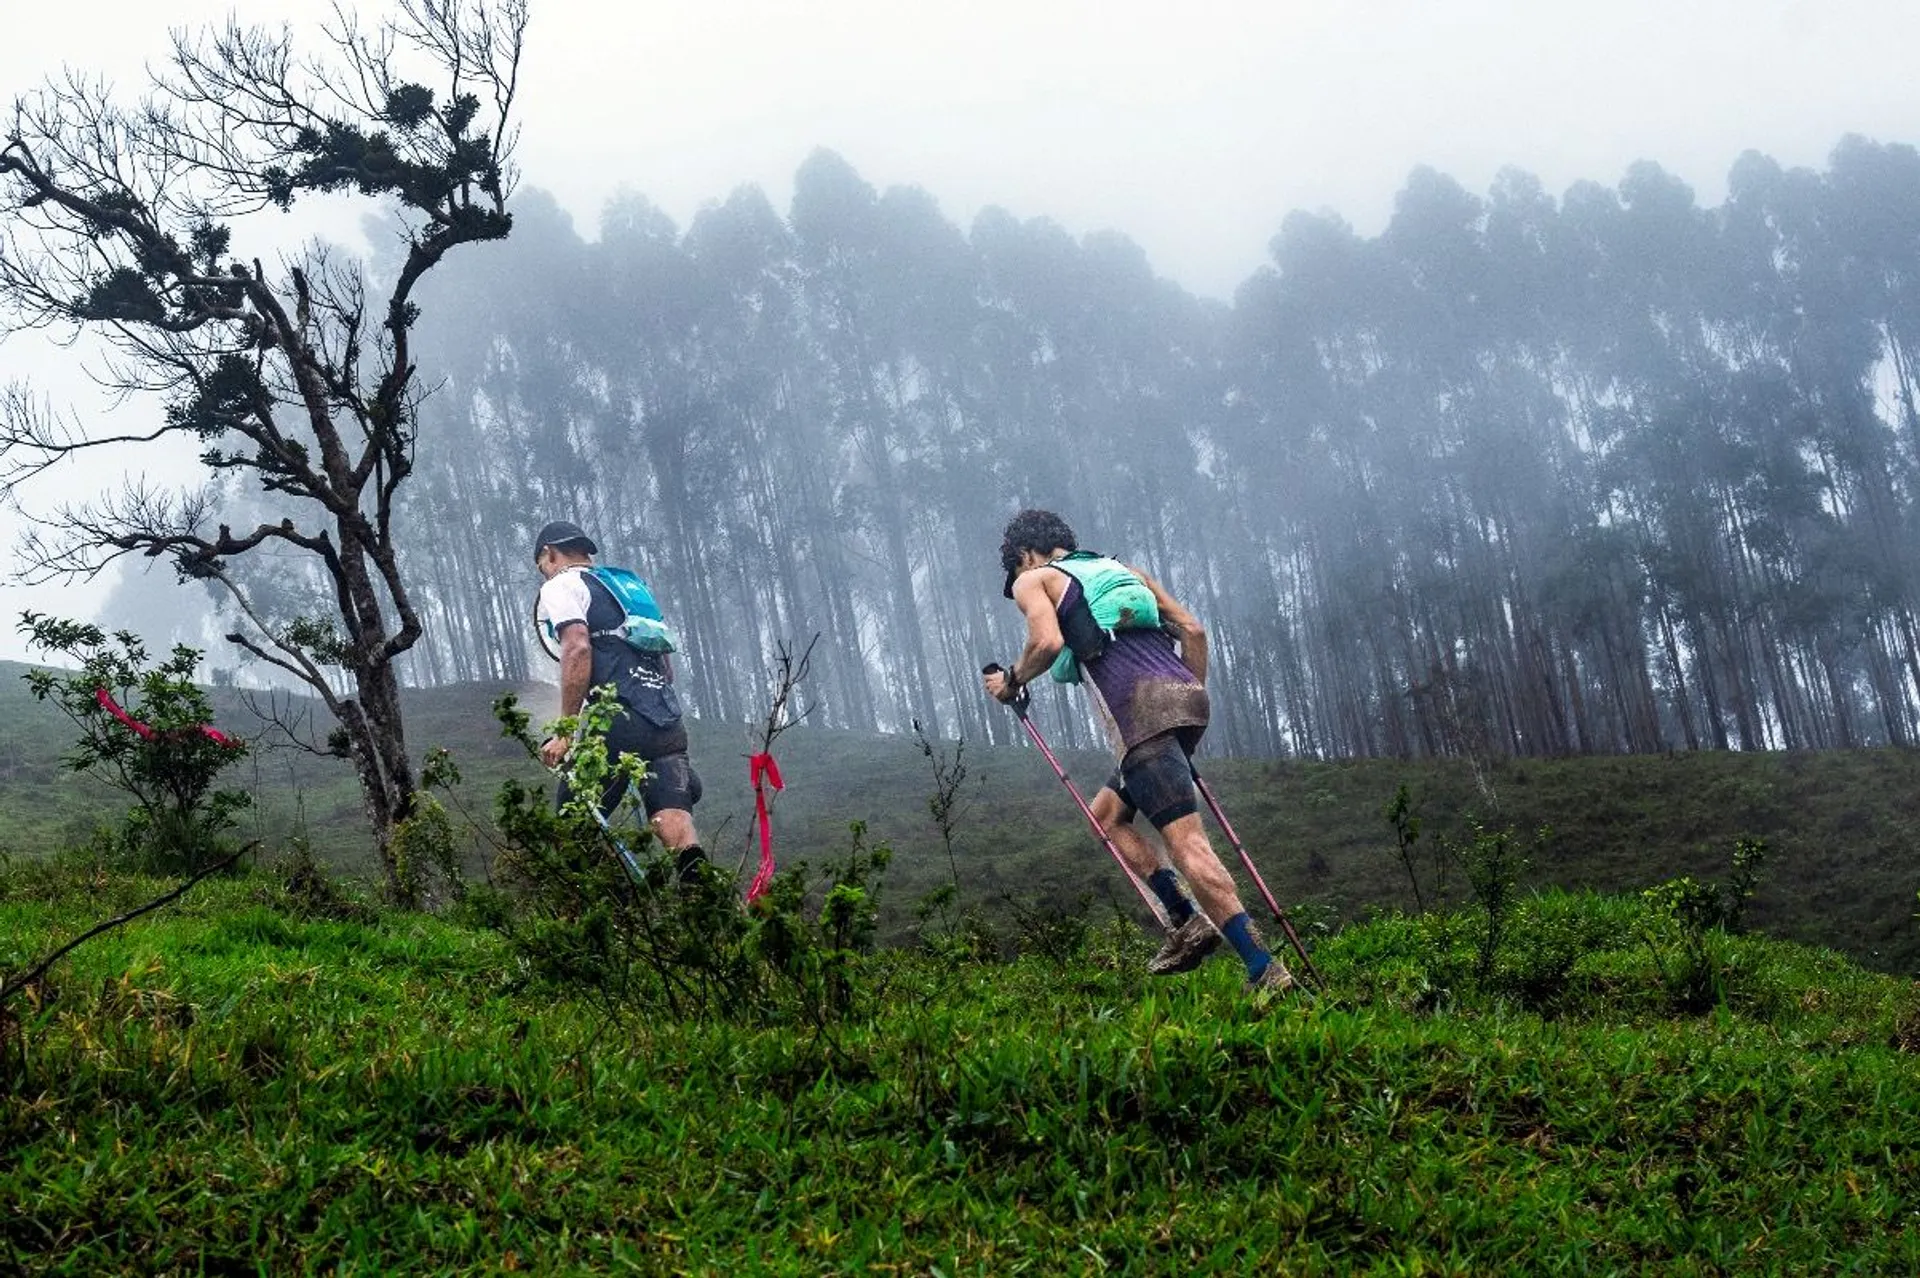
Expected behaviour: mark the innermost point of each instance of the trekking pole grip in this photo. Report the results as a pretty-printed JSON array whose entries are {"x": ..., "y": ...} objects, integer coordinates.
[{"x": 1020, "y": 702}]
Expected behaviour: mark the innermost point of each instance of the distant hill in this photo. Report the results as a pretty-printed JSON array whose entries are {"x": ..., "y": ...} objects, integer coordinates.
[{"x": 1842, "y": 826}]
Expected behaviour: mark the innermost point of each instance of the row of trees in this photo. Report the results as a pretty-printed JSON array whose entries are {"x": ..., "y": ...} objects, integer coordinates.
[{"x": 1614, "y": 472}]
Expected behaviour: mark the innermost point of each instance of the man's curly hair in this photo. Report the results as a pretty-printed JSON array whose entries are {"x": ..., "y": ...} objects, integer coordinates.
[{"x": 1036, "y": 530}]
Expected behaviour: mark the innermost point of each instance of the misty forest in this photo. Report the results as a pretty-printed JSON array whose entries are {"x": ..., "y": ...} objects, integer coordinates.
[{"x": 1612, "y": 473}]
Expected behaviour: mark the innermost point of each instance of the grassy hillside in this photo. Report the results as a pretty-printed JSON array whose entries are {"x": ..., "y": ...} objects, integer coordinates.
[
  {"x": 239, "y": 1087},
  {"x": 1842, "y": 826}
]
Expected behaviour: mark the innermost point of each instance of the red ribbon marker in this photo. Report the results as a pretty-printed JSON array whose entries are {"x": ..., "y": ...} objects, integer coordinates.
[
  {"x": 762, "y": 769},
  {"x": 108, "y": 704},
  {"x": 145, "y": 731}
]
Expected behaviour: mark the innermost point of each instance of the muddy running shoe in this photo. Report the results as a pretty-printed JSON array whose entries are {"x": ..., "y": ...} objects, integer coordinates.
[
  {"x": 1187, "y": 946},
  {"x": 1272, "y": 985}
]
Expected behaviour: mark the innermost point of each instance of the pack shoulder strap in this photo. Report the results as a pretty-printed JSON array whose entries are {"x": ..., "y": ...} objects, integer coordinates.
[{"x": 1114, "y": 593}]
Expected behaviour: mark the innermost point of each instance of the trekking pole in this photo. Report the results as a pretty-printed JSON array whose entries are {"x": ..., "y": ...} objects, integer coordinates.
[
  {"x": 626, "y": 855},
  {"x": 1279, "y": 915},
  {"x": 1020, "y": 706}
]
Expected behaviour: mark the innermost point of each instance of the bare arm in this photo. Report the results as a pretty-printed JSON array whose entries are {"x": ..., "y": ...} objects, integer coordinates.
[
  {"x": 576, "y": 673},
  {"x": 1043, "y": 636},
  {"x": 576, "y": 668},
  {"x": 1181, "y": 624}
]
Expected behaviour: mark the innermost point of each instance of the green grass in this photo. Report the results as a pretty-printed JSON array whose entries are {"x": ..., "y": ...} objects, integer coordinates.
[
  {"x": 1842, "y": 825},
  {"x": 230, "y": 1087}
]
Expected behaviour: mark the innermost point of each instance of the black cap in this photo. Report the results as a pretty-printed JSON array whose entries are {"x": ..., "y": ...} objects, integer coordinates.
[
  {"x": 1010, "y": 557},
  {"x": 562, "y": 533}
]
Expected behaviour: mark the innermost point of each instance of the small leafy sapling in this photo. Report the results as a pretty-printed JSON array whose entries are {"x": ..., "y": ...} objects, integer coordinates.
[{"x": 1403, "y": 815}]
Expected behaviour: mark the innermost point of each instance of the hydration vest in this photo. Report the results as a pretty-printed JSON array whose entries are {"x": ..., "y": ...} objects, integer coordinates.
[
  {"x": 644, "y": 629},
  {"x": 1112, "y": 599}
]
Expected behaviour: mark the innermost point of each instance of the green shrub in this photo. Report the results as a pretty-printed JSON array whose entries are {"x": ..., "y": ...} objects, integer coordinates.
[
  {"x": 1689, "y": 923},
  {"x": 425, "y": 847},
  {"x": 1550, "y": 934},
  {"x": 593, "y": 905},
  {"x": 302, "y": 887},
  {"x": 1049, "y": 929},
  {"x": 162, "y": 755}
]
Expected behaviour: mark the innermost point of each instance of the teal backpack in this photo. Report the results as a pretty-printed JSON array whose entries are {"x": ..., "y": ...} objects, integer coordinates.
[
  {"x": 644, "y": 630},
  {"x": 1112, "y": 599}
]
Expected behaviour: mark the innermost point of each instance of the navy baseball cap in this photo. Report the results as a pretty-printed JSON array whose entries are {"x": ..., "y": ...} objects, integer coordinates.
[{"x": 563, "y": 533}]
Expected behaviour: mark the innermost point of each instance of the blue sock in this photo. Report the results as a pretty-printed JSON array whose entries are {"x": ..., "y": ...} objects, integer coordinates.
[
  {"x": 1167, "y": 888},
  {"x": 1239, "y": 934}
]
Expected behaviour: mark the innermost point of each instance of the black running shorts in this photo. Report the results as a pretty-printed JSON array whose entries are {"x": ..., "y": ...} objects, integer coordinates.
[
  {"x": 1156, "y": 777},
  {"x": 670, "y": 783}
]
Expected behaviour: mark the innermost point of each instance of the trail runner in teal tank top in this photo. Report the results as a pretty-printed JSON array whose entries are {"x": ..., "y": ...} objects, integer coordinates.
[{"x": 1143, "y": 658}]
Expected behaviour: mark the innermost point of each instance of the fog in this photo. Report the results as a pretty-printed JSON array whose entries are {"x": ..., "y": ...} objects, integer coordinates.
[{"x": 1192, "y": 133}]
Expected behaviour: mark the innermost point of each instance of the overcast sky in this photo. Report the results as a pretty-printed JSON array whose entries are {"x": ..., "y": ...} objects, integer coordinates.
[{"x": 1192, "y": 128}]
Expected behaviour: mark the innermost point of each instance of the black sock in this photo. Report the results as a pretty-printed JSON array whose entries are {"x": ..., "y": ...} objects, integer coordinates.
[{"x": 688, "y": 860}]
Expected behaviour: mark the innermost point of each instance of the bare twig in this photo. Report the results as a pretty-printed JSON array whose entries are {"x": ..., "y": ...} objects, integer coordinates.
[
  {"x": 40, "y": 969},
  {"x": 947, "y": 804},
  {"x": 784, "y": 709},
  {"x": 294, "y": 723}
]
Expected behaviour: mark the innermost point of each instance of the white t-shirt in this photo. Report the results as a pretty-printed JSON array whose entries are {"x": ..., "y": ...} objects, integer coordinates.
[{"x": 564, "y": 598}]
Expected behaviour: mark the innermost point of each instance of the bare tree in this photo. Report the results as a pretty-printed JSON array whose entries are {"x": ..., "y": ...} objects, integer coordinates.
[{"x": 296, "y": 381}]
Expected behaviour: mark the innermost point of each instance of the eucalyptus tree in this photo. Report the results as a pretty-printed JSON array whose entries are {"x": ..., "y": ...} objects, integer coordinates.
[
  {"x": 500, "y": 455},
  {"x": 1303, "y": 454},
  {"x": 928, "y": 306},
  {"x": 296, "y": 378},
  {"x": 786, "y": 489},
  {"x": 849, "y": 275},
  {"x": 1831, "y": 379}
]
